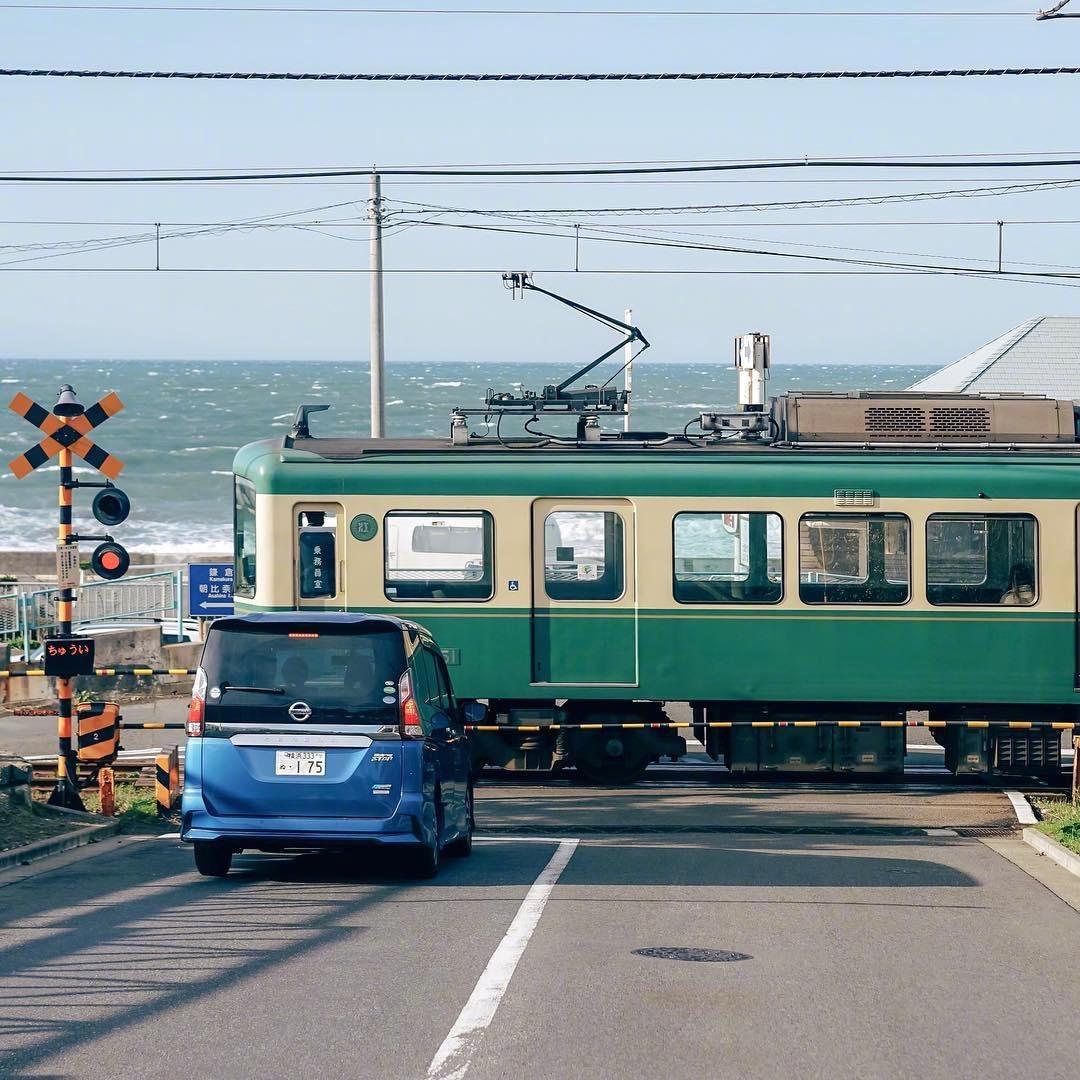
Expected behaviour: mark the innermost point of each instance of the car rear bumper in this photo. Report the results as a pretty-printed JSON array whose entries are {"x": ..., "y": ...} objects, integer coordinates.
[{"x": 278, "y": 833}]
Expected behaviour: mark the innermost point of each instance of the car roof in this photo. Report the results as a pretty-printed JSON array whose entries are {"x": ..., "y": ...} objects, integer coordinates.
[{"x": 317, "y": 618}]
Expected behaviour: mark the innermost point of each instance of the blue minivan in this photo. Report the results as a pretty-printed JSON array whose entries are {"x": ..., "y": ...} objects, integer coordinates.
[{"x": 316, "y": 730}]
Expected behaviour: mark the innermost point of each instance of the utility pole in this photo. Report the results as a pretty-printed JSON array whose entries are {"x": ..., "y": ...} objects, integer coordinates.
[
  {"x": 628, "y": 358},
  {"x": 378, "y": 428},
  {"x": 1001, "y": 241}
]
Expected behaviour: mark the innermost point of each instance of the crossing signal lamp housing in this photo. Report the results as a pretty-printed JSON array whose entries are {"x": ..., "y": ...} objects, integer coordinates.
[
  {"x": 111, "y": 506},
  {"x": 110, "y": 561}
]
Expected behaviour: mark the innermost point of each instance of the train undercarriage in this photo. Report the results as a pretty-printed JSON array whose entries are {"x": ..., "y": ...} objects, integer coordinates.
[{"x": 615, "y": 742}]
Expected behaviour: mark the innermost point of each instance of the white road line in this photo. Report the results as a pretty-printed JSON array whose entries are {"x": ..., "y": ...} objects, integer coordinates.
[
  {"x": 1024, "y": 814},
  {"x": 522, "y": 840},
  {"x": 453, "y": 1058}
]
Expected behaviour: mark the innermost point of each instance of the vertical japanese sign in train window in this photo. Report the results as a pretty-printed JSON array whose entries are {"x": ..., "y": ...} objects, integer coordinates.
[{"x": 317, "y": 554}]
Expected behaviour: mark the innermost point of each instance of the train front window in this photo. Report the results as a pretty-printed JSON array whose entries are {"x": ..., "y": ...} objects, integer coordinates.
[
  {"x": 728, "y": 558},
  {"x": 981, "y": 559},
  {"x": 316, "y": 563},
  {"x": 854, "y": 559},
  {"x": 438, "y": 556},
  {"x": 244, "y": 537},
  {"x": 583, "y": 555}
]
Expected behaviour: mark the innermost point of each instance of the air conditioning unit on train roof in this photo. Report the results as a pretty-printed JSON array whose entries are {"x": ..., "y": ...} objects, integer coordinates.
[{"x": 868, "y": 417}]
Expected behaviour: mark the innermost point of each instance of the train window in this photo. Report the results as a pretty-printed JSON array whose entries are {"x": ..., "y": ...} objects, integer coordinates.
[
  {"x": 438, "y": 556},
  {"x": 728, "y": 558},
  {"x": 981, "y": 559},
  {"x": 244, "y": 537},
  {"x": 583, "y": 555},
  {"x": 854, "y": 559},
  {"x": 316, "y": 537}
]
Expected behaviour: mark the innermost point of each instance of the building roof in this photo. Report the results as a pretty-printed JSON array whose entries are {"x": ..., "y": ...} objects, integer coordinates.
[{"x": 1040, "y": 356}]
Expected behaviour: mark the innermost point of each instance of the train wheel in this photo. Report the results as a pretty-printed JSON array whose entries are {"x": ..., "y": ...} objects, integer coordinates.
[{"x": 608, "y": 757}]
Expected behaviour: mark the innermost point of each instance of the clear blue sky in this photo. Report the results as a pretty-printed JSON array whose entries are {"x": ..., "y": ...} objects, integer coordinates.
[{"x": 97, "y": 125}]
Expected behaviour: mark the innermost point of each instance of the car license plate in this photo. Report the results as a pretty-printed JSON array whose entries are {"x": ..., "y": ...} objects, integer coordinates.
[{"x": 300, "y": 763}]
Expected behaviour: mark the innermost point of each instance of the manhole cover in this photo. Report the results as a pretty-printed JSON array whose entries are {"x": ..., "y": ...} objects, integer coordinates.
[{"x": 701, "y": 956}]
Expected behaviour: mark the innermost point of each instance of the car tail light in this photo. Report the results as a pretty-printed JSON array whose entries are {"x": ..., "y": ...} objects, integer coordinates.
[
  {"x": 408, "y": 709},
  {"x": 196, "y": 715}
]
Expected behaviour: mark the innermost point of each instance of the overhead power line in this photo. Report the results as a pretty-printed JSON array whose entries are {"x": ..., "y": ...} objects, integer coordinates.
[
  {"x": 763, "y": 207},
  {"x": 525, "y": 77},
  {"x": 489, "y": 12},
  {"x": 541, "y": 171}
]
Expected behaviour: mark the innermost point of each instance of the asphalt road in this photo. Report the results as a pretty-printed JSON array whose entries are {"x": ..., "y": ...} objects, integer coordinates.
[{"x": 871, "y": 949}]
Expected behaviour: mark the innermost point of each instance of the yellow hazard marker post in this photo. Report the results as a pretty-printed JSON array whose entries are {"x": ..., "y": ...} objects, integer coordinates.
[
  {"x": 167, "y": 780},
  {"x": 66, "y": 429}
]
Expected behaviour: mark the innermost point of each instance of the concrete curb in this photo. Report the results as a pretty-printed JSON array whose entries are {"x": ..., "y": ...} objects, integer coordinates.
[
  {"x": 1046, "y": 845},
  {"x": 53, "y": 845}
]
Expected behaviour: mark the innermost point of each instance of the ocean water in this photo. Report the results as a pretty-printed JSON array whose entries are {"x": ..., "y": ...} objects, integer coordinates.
[{"x": 184, "y": 421}]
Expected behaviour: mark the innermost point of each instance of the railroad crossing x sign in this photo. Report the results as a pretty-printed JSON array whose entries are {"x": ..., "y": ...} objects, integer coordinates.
[{"x": 70, "y": 432}]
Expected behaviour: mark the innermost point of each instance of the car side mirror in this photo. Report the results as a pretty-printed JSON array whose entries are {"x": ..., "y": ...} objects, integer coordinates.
[{"x": 475, "y": 712}]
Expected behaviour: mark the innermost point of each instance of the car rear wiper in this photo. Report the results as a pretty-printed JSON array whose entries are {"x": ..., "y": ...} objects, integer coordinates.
[{"x": 253, "y": 689}]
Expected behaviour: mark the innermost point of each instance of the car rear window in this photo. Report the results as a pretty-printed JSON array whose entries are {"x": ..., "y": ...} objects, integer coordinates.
[{"x": 345, "y": 673}]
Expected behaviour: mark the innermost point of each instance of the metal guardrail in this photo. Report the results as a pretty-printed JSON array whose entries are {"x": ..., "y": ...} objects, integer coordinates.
[{"x": 28, "y": 609}]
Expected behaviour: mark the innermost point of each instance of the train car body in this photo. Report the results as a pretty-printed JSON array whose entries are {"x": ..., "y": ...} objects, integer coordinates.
[{"x": 769, "y": 587}]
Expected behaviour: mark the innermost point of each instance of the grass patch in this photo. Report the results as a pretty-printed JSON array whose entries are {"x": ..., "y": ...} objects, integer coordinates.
[
  {"x": 136, "y": 808},
  {"x": 1060, "y": 820},
  {"x": 21, "y": 825}
]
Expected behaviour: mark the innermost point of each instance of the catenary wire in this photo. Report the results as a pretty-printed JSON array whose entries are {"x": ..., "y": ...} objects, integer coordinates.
[
  {"x": 538, "y": 172},
  {"x": 536, "y": 76},
  {"x": 691, "y": 13}
]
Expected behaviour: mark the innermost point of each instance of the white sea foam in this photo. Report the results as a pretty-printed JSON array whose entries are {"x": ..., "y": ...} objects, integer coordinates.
[{"x": 434, "y": 384}]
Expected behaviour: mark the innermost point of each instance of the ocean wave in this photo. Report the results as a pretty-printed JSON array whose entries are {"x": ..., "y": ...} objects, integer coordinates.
[{"x": 434, "y": 384}]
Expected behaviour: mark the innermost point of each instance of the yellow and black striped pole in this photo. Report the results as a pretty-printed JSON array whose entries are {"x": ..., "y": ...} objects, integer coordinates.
[{"x": 66, "y": 792}]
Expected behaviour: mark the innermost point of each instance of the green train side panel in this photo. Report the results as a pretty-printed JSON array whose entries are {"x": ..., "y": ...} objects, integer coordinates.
[
  {"x": 570, "y": 649},
  {"x": 781, "y": 656}
]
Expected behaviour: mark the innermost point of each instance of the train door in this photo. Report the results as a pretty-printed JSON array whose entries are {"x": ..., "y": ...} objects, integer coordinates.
[{"x": 584, "y": 598}]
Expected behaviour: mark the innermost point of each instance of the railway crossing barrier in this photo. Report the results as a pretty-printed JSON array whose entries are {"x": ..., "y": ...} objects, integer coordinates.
[{"x": 686, "y": 724}]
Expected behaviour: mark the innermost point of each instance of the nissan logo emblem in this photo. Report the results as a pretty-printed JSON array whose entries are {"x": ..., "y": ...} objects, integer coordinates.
[{"x": 300, "y": 711}]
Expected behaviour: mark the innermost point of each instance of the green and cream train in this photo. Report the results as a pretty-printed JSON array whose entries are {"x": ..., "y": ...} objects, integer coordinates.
[{"x": 802, "y": 592}]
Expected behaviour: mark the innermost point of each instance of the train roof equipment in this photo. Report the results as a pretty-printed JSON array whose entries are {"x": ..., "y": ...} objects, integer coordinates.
[{"x": 805, "y": 420}]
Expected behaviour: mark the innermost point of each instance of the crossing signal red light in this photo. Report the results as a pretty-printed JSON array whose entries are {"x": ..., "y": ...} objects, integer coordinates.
[
  {"x": 110, "y": 561},
  {"x": 111, "y": 506}
]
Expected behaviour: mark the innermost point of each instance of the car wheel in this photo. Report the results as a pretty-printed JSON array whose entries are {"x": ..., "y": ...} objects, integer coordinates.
[
  {"x": 212, "y": 860},
  {"x": 425, "y": 859},
  {"x": 462, "y": 846}
]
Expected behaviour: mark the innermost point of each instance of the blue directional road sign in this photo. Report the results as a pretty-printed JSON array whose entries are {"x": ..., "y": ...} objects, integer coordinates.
[{"x": 210, "y": 589}]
